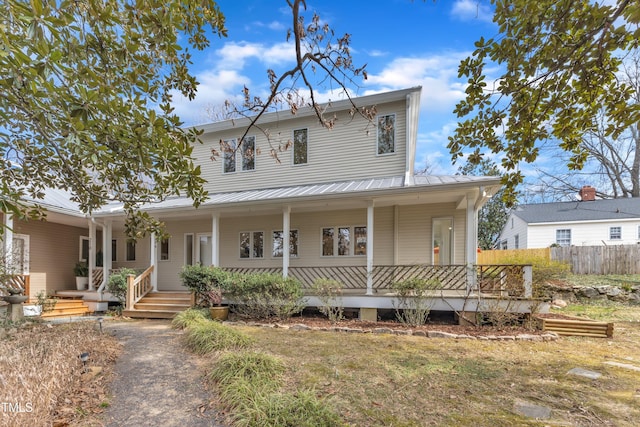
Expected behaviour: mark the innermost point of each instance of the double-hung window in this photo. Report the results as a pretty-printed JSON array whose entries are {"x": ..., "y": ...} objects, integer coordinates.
[
  {"x": 615, "y": 233},
  {"x": 563, "y": 237},
  {"x": 248, "y": 152},
  {"x": 229, "y": 155},
  {"x": 344, "y": 241},
  {"x": 387, "y": 134},
  {"x": 251, "y": 244}
]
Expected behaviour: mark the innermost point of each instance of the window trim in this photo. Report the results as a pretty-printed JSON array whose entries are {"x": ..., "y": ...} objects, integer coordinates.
[
  {"x": 252, "y": 234},
  {"x": 168, "y": 243},
  {"x": 393, "y": 148},
  {"x": 336, "y": 241},
  {"x": 297, "y": 246},
  {"x": 564, "y": 230},
  {"x": 618, "y": 235},
  {"x": 293, "y": 151}
]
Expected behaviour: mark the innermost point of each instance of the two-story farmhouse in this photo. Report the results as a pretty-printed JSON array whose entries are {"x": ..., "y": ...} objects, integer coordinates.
[
  {"x": 585, "y": 222},
  {"x": 342, "y": 203}
]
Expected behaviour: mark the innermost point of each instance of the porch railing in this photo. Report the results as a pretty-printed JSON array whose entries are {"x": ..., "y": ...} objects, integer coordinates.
[
  {"x": 137, "y": 287},
  {"x": 19, "y": 282},
  {"x": 504, "y": 280}
]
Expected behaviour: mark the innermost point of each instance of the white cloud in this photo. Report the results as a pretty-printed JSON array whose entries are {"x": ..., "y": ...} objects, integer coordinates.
[
  {"x": 437, "y": 74},
  {"x": 235, "y": 55},
  {"x": 468, "y": 10}
]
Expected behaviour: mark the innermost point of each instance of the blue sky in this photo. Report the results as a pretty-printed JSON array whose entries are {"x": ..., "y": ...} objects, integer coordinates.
[{"x": 404, "y": 44}]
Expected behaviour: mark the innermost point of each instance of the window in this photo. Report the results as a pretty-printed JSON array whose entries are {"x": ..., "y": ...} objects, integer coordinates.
[
  {"x": 563, "y": 237},
  {"x": 189, "y": 249},
  {"x": 164, "y": 250},
  {"x": 350, "y": 240},
  {"x": 516, "y": 241},
  {"x": 251, "y": 244},
  {"x": 114, "y": 250},
  {"x": 615, "y": 233},
  {"x": 504, "y": 245},
  {"x": 278, "y": 243},
  {"x": 229, "y": 149},
  {"x": 84, "y": 249},
  {"x": 300, "y": 147},
  {"x": 249, "y": 153},
  {"x": 442, "y": 241},
  {"x": 131, "y": 251},
  {"x": 386, "y": 134}
]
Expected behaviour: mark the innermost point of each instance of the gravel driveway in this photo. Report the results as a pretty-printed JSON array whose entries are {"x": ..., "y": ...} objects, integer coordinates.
[{"x": 156, "y": 382}]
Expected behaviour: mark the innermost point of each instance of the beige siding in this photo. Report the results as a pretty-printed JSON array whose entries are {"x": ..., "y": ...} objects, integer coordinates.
[
  {"x": 348, "y": 151},
  {"x": 143, "y": 258},
  {"x": 414, "y": 237},
  {"x": 53, "y": 252}
]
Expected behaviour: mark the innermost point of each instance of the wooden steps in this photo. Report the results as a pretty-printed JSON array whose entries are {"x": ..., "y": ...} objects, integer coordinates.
[
  {"x": 577, "y": 326},
  {"x": 160, "y": 305},
  {"x": 66, "y": 307}
]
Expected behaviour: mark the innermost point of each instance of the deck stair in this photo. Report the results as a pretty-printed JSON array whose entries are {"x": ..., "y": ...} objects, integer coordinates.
[
  {"x": 67, "y": 307},
  {"x": 160, "y": 305}
]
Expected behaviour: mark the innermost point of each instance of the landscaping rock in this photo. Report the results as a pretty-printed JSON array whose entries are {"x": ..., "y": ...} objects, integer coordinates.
[
  {"x": 531, "y": 410},
  {"x": 382, "y": 331},
  {"x": 588, "y": 292},
  {"x": 299, "y": 327},
  {"x": 440, "y": 334},
  {"x": 558, "y": 303},
  {"x": 585, "y": 373},
  {"x": 528, "y": 337}
]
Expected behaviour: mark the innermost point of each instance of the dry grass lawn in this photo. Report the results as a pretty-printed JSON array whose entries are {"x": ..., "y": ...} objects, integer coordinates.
[{"x": 390, "y": 380}]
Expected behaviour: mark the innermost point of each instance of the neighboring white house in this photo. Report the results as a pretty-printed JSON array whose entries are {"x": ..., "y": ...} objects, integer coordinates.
[{"x": 587, "y": 222}]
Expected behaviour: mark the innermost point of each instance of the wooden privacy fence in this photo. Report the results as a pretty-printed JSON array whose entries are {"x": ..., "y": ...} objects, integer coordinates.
[
  {"x": 500, "y": 256},
  {"x": 618, "y": 259}
]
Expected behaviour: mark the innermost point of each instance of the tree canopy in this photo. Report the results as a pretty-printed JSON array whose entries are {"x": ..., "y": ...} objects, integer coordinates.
[
  {"x": 560, "y": 62},
  {"x": 86, "y": 89}
]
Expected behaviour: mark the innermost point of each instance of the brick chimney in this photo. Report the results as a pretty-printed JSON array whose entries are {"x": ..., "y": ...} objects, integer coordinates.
[{"x": 587, "y": 193}]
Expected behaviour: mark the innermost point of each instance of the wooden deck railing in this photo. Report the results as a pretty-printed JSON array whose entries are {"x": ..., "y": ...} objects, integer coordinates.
[
  {"x": 137, "y": 287},
  {"x": 19, "y": 282},
  {"x": 505, "y": 280}
]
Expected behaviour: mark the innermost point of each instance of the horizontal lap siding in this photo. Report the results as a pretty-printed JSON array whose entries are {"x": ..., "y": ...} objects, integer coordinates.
[
  {"x": 346, "y": 152},
  {"x": 53, "y": 252}
]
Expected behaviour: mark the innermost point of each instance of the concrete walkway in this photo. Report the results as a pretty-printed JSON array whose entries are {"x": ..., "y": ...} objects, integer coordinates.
[{"x": 156, "y": 381}]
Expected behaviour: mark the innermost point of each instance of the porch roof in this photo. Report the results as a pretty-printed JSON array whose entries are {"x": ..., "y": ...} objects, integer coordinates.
[{"x": 371, "y": 187}]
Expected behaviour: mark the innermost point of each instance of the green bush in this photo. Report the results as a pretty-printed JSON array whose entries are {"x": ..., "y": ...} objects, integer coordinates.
[
  {"x": 249, "y": 365},
  {"x": 201, "y": 280},
  {"x": 205, "y": 337},
  {"x": 415, "y": 299},
  {"x": 117, "y": 284},
  {"x": 265, "y": 295}
]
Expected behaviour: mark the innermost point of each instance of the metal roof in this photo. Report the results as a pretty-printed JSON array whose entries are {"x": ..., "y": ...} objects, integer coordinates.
[
  {"x": 605, "y": 209},
  {"x": 60, "y": 200}
]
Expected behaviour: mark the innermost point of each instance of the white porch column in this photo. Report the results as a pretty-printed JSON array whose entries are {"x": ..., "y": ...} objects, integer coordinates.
[
  {"x": 153, "y": 252},
  {"x": 107, "y": 263},
  {"x": 370, "y": 233},
  {"x": 91, "y": 262},
  {"x": 286, "y": 239},
  {"x": 215, "y": 239},
  {"x": 7, "y": 241},
  {"x": 471, "y": 246}
]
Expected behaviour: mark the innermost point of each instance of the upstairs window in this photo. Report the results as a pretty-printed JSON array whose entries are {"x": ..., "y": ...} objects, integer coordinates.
[
  {"x": 249, "y": 153},
  {"x": 387, "y": 134},
  {"x": 229, "y": 157},
  {"x": 251, "y": 244},
  {"x": 278, "y": 244},
  {"x": 615, "y": 233},
  {"x": 563, "y": 237},
  {"x": 300, "y": 147},
  {"x": 344, "y": 241}
]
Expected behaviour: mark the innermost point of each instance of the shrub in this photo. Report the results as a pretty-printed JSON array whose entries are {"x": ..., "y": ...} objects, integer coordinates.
[
  {"x": 202, "y": 280},
  {"x": 265, "y": 295},
  {"x": 414, "y": 299},
  {"x": 329, "y": 292},
  {"x": 117, "y": 284},
  {"x": 543, "y": 270},
  {"x": 204, "y": 337},
  {"x": 186, "y": 318},
  {"x": 248, "y": 365}
]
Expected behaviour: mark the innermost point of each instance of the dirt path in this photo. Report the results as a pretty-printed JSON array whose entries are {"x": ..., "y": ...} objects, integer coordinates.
[{"x": 156, "y": 382}]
